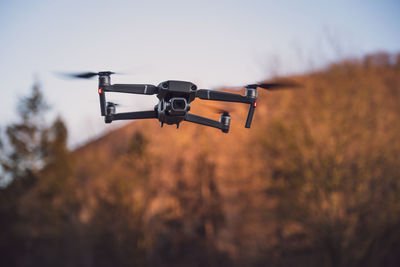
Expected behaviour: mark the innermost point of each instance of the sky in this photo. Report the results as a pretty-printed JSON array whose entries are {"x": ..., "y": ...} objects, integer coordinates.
[{"x": 211, "y": 43}]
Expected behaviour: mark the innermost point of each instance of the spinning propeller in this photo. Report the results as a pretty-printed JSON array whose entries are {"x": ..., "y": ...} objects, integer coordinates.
[
  {"x": 225, "y": 111},
  {"x": 272, "y": 86},
  {"x": 87, "y": 75}
]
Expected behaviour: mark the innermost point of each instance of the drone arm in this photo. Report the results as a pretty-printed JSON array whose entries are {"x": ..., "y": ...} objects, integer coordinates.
[
  {"x": 151, "y": 114},
  {"x": 144, "y": 89},
  {"x": 221, "y": 96},
  {"x": 207, "y": 122}
]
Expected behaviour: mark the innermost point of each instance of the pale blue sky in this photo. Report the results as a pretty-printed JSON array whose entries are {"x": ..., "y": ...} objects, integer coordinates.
[{"x": 211, "y": 43}]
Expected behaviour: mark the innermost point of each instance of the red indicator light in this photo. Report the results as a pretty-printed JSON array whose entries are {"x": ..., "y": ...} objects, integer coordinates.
[
  {"x": 100, "y": 91},
  {"x": 255, "y": 104}
]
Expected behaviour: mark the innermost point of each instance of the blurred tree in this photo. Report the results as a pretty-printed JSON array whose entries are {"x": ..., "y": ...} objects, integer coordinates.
[
  {"x": 189, "y": 236},
  {"x": 21, "y": 159},
  {"x": 334, "y": 171},
  {"x": 35, "y": 205},
  {"x": 22, "y": 155},
  {"x": 116, "y": 227}
]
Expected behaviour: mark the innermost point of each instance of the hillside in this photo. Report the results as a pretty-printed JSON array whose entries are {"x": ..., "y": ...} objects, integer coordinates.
[
  {"x": 315, "y": 181},
  {"x": 317, "y": 163}
]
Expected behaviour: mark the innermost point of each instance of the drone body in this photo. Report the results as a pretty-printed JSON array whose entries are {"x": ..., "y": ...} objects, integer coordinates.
[{"x": 175, "y": 98}]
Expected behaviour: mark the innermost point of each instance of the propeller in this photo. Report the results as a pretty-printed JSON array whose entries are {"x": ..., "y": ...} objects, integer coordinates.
[
  {"x": 274, "y": 86},
  {"x": 87, "y": 75},
  {"x": 112, "y": 103},
  {"x": 219, "y": 110},
  {"x": 123, "y": 105},
  {"x": 224, "y": 111},
  {"x": 287, "y": 84},
  {"x": 120, "y": 105}
]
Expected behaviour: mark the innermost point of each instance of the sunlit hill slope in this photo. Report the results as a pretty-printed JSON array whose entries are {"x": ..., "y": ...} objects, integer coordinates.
[{"x": 317, "y": 176}]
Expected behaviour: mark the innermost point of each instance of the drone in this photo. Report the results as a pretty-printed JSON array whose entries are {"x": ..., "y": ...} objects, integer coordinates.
[{"x": 175, "y": 99}]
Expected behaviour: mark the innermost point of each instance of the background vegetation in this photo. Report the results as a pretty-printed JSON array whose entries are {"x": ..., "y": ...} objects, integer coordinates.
[{"x": 315, "y": 182}]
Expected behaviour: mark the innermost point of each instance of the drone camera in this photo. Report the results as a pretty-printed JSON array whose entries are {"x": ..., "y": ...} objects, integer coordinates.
[{"x": 178, "y": 105}]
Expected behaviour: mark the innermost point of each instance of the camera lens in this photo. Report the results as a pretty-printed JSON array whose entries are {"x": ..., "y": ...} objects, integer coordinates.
[{"x": 179, "y": 104}]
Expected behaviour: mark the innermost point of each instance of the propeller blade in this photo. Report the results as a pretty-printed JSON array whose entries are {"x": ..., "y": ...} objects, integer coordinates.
[
  {"x": 124, "y": 105},
  {"x": 83, "y": 75},
  {"x": 87, "y": 75},
  {"x": 268, "y": 86},
  {"x": 224, "y": 111},
  {"x": 112, "y": 103},
  {"x": 275, "y": 85},
  {"x": 219, "y": 110}
]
